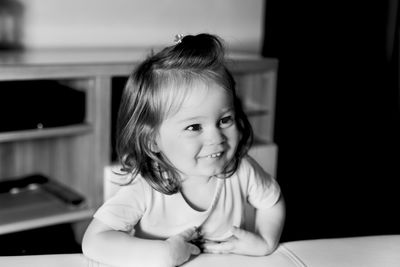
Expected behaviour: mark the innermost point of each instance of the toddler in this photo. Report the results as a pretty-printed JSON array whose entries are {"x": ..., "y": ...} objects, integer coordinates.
[{"x": 182, "y": 137}]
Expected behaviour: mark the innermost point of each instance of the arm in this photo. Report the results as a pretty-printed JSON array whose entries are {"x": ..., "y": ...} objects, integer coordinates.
[
  {"x": 117, "y": 248},
  {"x": 268, "y": 228},
  {"x": 269, "y": 224}
]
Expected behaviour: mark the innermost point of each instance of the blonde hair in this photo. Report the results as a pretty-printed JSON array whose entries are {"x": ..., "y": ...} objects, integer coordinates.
[{"x": 157, "y": 88}]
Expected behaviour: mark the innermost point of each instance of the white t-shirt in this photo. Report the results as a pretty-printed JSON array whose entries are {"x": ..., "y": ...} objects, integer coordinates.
[{"x": 140, "y": 210}]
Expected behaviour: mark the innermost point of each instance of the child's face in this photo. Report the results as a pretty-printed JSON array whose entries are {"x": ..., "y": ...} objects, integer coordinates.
[{"x": 202, "y": 137}]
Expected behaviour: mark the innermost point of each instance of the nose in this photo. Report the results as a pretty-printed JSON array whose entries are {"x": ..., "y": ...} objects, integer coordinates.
[{"x": 215, "y": 136}]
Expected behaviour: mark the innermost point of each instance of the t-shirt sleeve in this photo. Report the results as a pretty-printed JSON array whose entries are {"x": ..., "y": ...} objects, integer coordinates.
[
  {"x": 263, "y": 190},
  {"x": 123, "y": 211}
]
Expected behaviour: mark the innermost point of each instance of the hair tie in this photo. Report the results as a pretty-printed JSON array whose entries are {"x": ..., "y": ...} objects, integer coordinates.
[{"x": 178, "y": 38}]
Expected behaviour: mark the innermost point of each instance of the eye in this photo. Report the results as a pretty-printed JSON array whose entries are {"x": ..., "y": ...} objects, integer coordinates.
[
  {"x": 193, "y": 128},
  {"x": 226, "y": 121}
]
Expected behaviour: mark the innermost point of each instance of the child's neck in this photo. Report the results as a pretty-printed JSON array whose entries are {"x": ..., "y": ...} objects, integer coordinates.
[
  {"x": 196, "y": 180},
  {"x": 199, "y": 192}
]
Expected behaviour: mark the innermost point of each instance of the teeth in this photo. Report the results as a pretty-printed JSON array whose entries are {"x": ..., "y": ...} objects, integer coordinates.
[{"x": 214, "y": 155}]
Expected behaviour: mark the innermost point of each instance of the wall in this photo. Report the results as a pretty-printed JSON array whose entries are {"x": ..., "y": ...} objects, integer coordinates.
[
  {"x": 338, "y": 117},
  {"x": 58, "y": 23}
]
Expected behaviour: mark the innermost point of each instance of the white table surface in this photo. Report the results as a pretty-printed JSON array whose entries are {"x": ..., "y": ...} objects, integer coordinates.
[{"x": 368, "y": 251}]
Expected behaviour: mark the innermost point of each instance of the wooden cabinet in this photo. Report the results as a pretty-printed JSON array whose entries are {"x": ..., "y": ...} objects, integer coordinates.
[
  {"x": 76, "y": 155},
  {"x": 256, "y": 85}
]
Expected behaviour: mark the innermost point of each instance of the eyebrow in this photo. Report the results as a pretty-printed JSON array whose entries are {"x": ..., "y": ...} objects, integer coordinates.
[
  {"x": 230, "y": 109},
  {"x": 185, "y": 120}
]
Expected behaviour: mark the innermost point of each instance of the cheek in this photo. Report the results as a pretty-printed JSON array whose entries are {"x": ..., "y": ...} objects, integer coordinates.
[
  {"x": 189, "y": 147},
  {"x": 233, "y": 136},
  {"x": 181, "y": 149}
]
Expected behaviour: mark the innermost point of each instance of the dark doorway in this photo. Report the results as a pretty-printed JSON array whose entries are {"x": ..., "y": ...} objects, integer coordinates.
[{"x": 338, "y": 123}]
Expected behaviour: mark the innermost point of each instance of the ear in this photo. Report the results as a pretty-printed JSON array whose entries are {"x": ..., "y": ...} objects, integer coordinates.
[{"x": 154, "y": 147}]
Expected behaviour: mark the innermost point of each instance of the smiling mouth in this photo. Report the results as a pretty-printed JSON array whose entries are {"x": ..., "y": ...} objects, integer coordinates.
[{"x": 215, "y": 155}]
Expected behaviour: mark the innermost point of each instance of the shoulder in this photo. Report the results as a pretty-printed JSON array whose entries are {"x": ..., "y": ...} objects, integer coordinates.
[
  {"x": 126, "y": 187},
  {"x": 261, "y": 189},
  {"x": 249, "y": 168},
  {"x": 126, "y": 203}
]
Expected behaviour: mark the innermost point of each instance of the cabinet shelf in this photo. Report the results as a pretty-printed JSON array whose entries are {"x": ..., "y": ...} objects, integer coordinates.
[
  {"x": 256, "y": 112},
  {"x": 258, "y": 141},
  {"x": 77, "y": 154},
  {"x": 34, "y": 209},
  {"x": 255, "y": 109},
  {"x": 45, "y": 133}
]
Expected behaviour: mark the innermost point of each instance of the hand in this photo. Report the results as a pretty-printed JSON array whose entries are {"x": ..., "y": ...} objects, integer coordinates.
[
  {"x": 180, "y": 247},
  {"x": 241, "y": 242}
]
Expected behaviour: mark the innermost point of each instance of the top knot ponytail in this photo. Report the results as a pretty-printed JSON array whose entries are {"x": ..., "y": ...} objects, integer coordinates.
[{"x": 202, "y": 51}]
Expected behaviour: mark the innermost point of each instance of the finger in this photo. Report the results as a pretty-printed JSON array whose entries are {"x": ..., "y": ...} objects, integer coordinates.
[
  {"x": 214, "y": 247},
  {"x": 194, "y": 250},
  {"x": 190, "y": 234},
  {"x": 209, "y": 243},
  {"x": 216, "y": 251}
]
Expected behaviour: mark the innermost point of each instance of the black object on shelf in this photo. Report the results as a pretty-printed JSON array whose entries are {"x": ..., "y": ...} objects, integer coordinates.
[
  {"x": 35, "y": 181},
  {"x": 37, "y": 104},
  {"x": 14, "y": 185}
]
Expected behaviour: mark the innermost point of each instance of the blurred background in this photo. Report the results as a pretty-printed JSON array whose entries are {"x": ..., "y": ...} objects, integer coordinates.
[
  {"x": 138, "y": 23},
  {"x": 338, "y": 119},
  {"x": 337, "y": 109}
]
